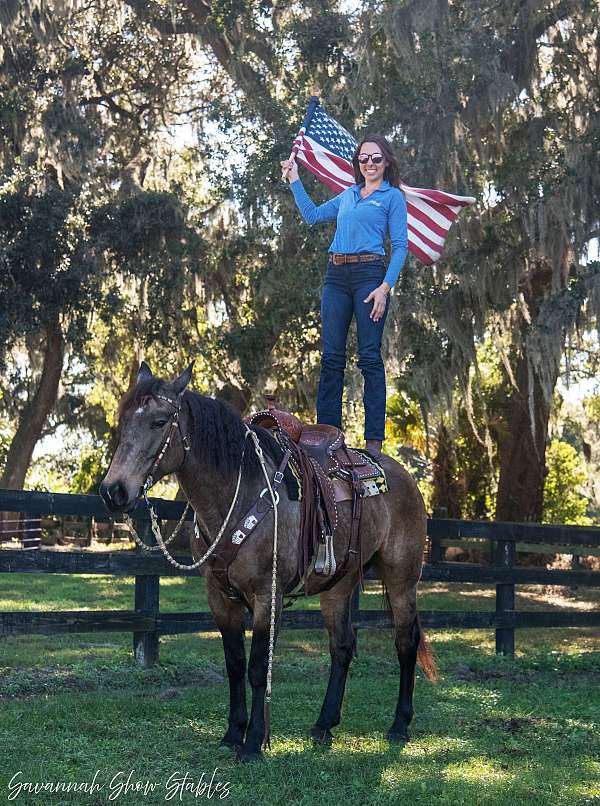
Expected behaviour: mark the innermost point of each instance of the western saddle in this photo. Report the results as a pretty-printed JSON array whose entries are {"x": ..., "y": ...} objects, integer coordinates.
[{"x": 328, "y": 472}]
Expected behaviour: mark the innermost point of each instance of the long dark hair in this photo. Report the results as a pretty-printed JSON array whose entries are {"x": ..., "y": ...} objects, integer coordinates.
[{"x": 392, "y": 171}]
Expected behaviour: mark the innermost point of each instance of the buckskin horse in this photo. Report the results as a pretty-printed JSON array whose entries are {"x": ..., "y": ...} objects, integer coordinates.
[{"x": 165, "y": 428}]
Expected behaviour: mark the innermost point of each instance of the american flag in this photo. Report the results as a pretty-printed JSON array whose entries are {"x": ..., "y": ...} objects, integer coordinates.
[{"x": 326, "y": 149}]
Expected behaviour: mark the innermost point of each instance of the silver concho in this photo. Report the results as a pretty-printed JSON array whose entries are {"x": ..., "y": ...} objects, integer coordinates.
[
  {"x": 237, "y": 537},
  {"x": 250, "y": 522}
]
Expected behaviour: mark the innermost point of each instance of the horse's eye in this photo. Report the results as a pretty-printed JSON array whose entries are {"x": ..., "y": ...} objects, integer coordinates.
[{"x": 159, "y": 424}]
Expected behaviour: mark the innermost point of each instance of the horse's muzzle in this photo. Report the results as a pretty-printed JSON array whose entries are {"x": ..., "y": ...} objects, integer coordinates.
[{"x": 116, "y": 497}]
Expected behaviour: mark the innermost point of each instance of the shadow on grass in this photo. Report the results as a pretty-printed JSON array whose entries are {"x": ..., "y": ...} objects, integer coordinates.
[{"x": 480, "y": 740}]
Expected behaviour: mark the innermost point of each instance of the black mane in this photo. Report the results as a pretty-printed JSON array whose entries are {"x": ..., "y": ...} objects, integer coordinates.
[
  {"x": 217, "y": 432},
  {"x": 218, "y": 435}
]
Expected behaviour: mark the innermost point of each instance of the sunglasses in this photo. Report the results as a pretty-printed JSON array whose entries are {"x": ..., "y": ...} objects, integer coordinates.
[{"x": 376, "y": 159}]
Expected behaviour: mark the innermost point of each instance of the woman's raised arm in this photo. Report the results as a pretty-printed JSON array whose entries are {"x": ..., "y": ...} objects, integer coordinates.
[{"x": 311, "y": 212}]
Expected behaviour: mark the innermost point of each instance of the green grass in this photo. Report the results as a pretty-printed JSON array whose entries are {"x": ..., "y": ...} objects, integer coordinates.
[{"x": 493, "y": 731}]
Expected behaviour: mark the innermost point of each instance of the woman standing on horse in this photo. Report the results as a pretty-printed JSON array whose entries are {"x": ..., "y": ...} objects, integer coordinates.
[{"x": 357, "y": 282}]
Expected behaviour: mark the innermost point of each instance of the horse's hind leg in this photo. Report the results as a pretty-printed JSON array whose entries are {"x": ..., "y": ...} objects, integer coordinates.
[
  {"x": 402, "y": 596},
  {"x": 229, "y": 615},
  {"x": 335, "y": 607}
]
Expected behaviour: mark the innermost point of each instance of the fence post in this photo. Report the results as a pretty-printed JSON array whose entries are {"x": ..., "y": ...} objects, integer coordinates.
[
  {"x": 436, "y": 550},
  {"x": 575, "y": 566},
  {"x": 147, "y": 593},
  {"x": 505, "y": 598}
]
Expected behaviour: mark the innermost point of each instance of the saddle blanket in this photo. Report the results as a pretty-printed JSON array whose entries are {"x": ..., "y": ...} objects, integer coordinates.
[{"x": 342, "y": 488}]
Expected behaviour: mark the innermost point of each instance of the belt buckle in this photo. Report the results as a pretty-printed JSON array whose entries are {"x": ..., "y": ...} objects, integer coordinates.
[{"x": 338, "y": 260}]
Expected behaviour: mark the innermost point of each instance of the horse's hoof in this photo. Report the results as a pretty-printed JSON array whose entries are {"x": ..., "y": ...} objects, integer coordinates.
[
  {"x": 397, "y": 736},
  {"x": 229, "y": 745},
  {"x": 233, "y": 738},
  {"x": 321, "y": 736},
  {"x": 245, "y": 756}
]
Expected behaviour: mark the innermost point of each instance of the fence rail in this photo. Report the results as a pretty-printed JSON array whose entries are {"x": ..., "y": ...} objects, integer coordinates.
[
  {"x": 21, "y": 527},
  {"x": 147, "y": 623}
]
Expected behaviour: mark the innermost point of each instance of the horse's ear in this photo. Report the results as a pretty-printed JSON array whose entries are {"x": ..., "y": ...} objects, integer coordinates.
[
  {"x": 144, "y": 373},
  {"x": 179, "y": 384}
]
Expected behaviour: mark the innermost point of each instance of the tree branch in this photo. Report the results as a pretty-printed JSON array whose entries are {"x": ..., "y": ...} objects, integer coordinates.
[{"x": 225, "y": 47}]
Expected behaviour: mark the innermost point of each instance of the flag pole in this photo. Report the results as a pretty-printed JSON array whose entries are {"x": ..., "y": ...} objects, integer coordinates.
[{"x": 310, "y": 111}]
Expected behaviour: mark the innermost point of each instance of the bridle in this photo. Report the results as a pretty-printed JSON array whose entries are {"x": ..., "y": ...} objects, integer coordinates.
[
  {"x": 162, "y": 544},
  {"x": 175, "y": 424},
  {"x": 184, "y": 441}
]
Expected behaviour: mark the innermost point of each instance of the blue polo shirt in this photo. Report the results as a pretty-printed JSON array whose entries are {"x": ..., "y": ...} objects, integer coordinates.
[{"x": 362, "y": 224}]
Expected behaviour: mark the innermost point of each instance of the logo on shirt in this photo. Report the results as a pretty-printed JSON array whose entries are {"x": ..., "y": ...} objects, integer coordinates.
[{"x": 376, "y": 203}]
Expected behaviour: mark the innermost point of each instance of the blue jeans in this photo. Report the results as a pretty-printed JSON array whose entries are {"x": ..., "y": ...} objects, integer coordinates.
[{"x": 344, "y": 291}]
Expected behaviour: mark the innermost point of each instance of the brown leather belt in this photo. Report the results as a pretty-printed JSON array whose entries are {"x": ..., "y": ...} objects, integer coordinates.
[{"x": 339, "y": 260}]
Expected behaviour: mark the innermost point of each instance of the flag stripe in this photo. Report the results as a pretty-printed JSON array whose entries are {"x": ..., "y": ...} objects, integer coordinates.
[
  {"x": 325, "y": 178},
  {"x": 420, "y": 254},
  {"x": 426, "y": 221},
  {"x": 437, "y": 245},
  {"x": 439, "y": 196},
  {"x": 426, "y": 232},
  {"x": 431, "y": 250},
  {"x": 324, "y": 168},
  {"x": 320, "y": 172},
  {"x": 343, "y": 166},
  {"x": 436, "y": 213},
  {"x": 334, "y": 165}
]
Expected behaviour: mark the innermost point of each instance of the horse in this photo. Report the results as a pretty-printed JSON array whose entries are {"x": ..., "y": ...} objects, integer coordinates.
[{"x": 164, "y": 428}]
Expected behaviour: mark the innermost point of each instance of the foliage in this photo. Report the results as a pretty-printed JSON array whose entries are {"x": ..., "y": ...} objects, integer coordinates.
[
  {"x": 47, "y": 269},
  {"x": 563, "y": 500}
]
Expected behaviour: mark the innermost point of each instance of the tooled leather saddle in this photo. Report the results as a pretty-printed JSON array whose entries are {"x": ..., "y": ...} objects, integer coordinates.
[{"x": 328, "y": 472}]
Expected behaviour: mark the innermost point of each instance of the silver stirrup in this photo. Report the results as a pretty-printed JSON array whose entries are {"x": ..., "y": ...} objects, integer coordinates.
[{"x": 325, "y": 561}]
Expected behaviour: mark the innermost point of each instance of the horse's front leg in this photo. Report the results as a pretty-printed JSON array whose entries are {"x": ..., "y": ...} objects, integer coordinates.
[
  {"x": 257, "y": 674},
  {"x": 229, "y": 615}
]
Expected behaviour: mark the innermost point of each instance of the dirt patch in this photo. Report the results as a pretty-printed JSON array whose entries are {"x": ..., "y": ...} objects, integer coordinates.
[
  {"x": 23, "y": 683},
  {"x": 514, "y": 725},
  {"x": 464, "y": 672},
  {"x": 169, "y": 694}
]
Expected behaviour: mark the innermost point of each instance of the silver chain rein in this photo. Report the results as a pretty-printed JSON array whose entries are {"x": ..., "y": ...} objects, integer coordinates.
[{"x": 162, "y": 545}]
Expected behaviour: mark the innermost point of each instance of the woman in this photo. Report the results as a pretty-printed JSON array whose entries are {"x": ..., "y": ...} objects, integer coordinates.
[{"x": 356, "y": 282}]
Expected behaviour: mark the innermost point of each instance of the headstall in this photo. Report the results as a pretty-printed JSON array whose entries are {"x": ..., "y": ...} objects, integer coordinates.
[{"x": 184, "y": 440}]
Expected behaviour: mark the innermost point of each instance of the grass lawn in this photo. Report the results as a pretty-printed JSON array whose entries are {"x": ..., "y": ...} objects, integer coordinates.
[{"x": 493, "y": 731}]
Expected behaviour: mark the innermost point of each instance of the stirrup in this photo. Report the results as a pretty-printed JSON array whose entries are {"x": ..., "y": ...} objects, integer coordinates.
[{"x": 325, "y": 561}]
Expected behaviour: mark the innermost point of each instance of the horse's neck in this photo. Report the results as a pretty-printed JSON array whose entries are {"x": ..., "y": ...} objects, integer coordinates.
[{"x": 211, "y": 496}]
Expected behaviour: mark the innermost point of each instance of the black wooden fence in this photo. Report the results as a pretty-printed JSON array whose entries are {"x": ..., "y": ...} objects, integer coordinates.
[{"x": 147, "y": 623}]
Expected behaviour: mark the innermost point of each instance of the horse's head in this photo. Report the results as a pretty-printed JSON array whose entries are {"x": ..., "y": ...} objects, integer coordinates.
[{"x": 151, "y": 438}]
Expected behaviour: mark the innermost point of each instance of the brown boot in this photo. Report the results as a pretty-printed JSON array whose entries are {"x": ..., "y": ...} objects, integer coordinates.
[{"x": 374, "y": 447}]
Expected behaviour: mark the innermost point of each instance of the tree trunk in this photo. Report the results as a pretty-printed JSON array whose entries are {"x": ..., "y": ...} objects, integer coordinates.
[
  {"x": 522, "y": 453},
  {"x": 447, "y": 493},
  {"x": 35, "y": 413}
]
